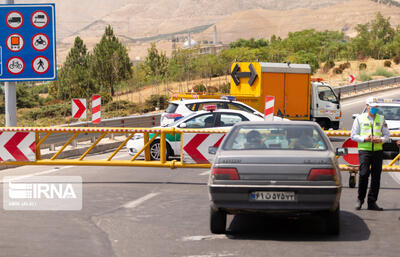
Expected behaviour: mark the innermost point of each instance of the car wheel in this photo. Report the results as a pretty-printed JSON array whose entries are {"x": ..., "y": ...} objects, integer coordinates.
[
  {"x": 352, "y": 181},
  {"x": 332, "y": 219},
  {"x": 217, "y": 221},
  {"x": 155, "y": 151}
]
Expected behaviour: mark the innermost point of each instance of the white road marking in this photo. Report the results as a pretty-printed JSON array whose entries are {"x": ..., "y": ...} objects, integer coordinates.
[
  {"x": 205, "y": 173},
  {"x": 395, "y": 176},
  {"x": 200, "y": 238},
  {"x": 137, "y": 202},
  {"x": 213, "y": 255},
  {"x": 37, "y": 173}
]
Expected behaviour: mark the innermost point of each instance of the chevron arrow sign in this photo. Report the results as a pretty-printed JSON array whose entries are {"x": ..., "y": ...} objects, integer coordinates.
[
  {"x": 195, "y": 147},
  {"x": 17, "y": 146},
  {"x": 79, "y": 108}
]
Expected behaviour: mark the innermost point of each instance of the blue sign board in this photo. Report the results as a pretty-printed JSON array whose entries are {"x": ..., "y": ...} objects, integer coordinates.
[{"x": 28, "y": 42}]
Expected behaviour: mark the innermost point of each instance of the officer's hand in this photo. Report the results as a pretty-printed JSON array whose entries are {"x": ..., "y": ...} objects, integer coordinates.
[
  {"x": 398, "y": 143},
  {"x": 368, "y": 139},
  {"x": 377, "y": 140}
]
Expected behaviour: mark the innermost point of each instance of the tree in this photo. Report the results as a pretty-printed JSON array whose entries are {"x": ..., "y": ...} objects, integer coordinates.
[
  {"x": 157, "y": 62},
  {"x": 110, "y": 62},
  {"x": 74, "y": 77}
]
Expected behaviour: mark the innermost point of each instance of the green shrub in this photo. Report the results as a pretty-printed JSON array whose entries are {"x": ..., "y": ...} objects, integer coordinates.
[
  {"x": 225, "y": 88},
  {"x": 344, "y": 66},
  {"x": 383, "y": 72},
  {"x": 50, "y": 111},
  {"x": 337, "y": 70},
  {"x": 362, "y": 66},
  {"x": 160, "y": 101},
  {"x": 212, "y": 89},
  {"x": 396, "y": 59},
  {"x": 199, "y": 88},
  {"x": 328, "y": 65},
  {"x": 365, "y": 76},
  {"x": 122, "y": 105},
  {"x": 387, "y": 63}
]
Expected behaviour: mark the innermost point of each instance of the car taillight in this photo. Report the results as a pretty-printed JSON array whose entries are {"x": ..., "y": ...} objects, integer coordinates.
[
  {"x": 225, "y": 174},
  {"x": 173, "y": 115},
  {"x": 322, "y": 174}
]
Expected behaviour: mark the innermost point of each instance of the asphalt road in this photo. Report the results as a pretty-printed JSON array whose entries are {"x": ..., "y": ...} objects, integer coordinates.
[{"x": 162, "y": 212}]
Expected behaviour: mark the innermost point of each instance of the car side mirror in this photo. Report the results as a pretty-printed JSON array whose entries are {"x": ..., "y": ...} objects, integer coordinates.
[
  {"x": 340, "y": 151},
  {"x": 182, "y": 125},
  {"x": 355, "y": 116},
  {"x": 212, "y": 150}
]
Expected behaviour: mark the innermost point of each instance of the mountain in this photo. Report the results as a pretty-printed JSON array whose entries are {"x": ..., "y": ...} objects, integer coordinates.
[{"x": 137, "y": 22}]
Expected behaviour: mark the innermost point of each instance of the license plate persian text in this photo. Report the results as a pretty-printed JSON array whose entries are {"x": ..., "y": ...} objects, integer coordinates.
[{"x": 273, "y": 196}]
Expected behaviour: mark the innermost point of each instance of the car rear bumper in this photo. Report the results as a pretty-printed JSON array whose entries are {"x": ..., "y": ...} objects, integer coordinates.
[{"x": 237, "y": 199}]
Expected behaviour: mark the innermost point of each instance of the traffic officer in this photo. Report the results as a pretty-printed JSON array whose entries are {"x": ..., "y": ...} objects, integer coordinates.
[{"x": 370, "y": 131}]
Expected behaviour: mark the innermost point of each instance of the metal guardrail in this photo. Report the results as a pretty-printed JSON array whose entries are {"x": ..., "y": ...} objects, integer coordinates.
[
  {"x": 354, "y": 88},
  {"x": 140, "y": 121}
]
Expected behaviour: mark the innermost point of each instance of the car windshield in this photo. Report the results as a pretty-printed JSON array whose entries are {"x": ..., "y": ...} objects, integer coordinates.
[
  {"x": 181, "y": 120},
  {"x": 275, "y": 137},
  {"x": 389, "y": 112}
]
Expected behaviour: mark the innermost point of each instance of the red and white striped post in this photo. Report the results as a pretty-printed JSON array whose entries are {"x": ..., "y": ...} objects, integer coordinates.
[
  {"x": 96, "y": 109},
  {"x": 269, "y": 108}
]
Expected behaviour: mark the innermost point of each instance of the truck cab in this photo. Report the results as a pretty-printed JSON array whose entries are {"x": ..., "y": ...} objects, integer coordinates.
[{"x": 325, "y": 105}]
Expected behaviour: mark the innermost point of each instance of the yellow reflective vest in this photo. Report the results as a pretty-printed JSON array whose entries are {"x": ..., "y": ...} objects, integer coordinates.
[{"x": 366, "y": 129}]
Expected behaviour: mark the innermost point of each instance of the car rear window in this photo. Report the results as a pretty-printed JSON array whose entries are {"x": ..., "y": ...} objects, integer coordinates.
[
  {"x": 275, "y": 137},
  {"x": 171, "y": 108}
]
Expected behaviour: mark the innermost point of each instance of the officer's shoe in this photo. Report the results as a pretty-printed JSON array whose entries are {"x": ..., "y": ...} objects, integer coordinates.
[
  {"x": 359, "y": 204},
  {"x": 374, "y": 207}
]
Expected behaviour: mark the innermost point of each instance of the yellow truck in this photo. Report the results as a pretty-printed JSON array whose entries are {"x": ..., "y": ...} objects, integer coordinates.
[{"x": 297, "y": 96}]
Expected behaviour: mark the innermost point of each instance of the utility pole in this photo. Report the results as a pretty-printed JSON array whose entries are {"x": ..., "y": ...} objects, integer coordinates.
[{"x": 10, "y": 93}]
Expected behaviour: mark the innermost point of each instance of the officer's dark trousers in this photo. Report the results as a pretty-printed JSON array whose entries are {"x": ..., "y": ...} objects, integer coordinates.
[{"x": 370, "y": 163}]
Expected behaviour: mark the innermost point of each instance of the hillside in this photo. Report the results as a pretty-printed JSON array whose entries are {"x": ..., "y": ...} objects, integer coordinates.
[{"x": 139, "y": 19}]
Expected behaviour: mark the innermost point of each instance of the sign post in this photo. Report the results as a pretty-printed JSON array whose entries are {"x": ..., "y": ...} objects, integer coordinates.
[{"x": 27, "y": 48}]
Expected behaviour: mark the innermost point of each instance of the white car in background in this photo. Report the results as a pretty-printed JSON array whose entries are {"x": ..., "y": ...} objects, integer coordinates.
[
  {"x": 181, "y": 108},
  {"x": 210, "y": 118},
  {"x": 390, "y": 109}
]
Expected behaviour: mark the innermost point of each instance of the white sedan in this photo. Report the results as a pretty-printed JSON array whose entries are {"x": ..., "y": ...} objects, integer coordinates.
[{"x": 202, "y": 119}]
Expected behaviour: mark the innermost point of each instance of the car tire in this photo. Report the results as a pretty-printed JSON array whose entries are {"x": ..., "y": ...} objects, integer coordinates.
[
  {"x": 332, "y": 219},
  {"x": 155, "y": 151},
  {"x": 352, "y": 181},
  {"x": 217, "y": 221}
]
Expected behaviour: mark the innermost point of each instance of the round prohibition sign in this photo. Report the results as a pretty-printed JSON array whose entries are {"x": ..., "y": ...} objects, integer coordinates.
[
  {"x": 15, "y": 42},
  {"x": 15, "y": 65},
  {"x": 39, "y": 19},
  {"x": 40, "y": 64},
  {"x": 40, "y": 42},
  {"x": 14, "y": 20}
]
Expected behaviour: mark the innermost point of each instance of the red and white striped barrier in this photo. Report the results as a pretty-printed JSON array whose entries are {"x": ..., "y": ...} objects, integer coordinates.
[
  {"x": 269, "y": 108},
  {"x": 96, "y": 109},
  {"x": 17, "y": 146}
]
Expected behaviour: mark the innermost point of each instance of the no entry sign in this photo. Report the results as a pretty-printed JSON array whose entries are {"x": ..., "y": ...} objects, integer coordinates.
[{"x": 352, "y": 156}]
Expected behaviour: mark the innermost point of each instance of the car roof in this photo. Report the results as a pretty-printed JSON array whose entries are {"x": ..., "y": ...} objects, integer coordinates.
[
  {"x": 189, "y": 101},
  {"x": 283, "y": 122}
]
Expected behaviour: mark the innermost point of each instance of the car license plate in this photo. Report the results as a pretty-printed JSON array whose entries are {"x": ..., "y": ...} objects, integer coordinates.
[{"x": 273, "y": 196}]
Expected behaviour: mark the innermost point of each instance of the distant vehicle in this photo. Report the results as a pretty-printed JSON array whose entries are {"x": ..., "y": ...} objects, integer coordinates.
[
  {"x": 297, "y": 95},
  {"x": 180, "y": 108},
  {"x": 390, "y": 109},
  {"x": 209, "y": 118},
  {"x": 275, "y": 167}
]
